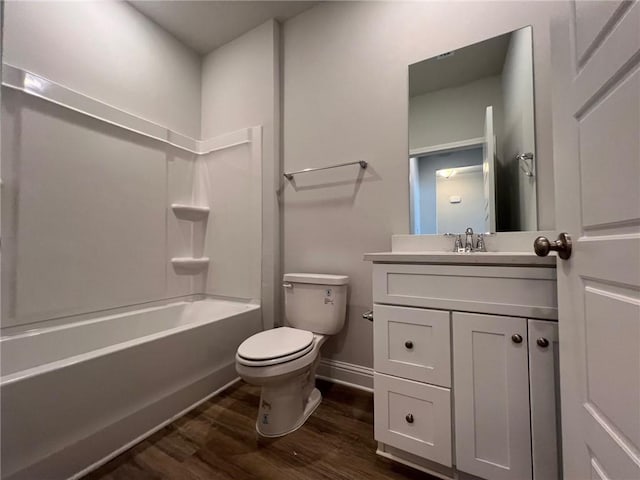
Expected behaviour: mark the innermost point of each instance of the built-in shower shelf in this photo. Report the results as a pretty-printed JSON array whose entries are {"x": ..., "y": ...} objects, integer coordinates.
[
  {"x": 189, "y": 264},
  {"x": 190, "y": 212}
]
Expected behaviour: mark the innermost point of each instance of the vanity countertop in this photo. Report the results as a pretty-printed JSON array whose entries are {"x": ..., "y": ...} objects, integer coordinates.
[{"x": 475, "y": 258}]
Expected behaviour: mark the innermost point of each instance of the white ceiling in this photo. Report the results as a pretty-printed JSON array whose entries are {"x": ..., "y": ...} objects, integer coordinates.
[
  {"x": 206, "y": 25},
  {"x": 467, "y": 64}
]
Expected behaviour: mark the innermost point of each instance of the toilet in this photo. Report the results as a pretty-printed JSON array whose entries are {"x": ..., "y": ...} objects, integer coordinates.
[{"x": 283, "y": 360}]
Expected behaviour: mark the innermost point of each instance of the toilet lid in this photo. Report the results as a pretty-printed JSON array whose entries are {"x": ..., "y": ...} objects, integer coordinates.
[{"x": 275, "y": 343}]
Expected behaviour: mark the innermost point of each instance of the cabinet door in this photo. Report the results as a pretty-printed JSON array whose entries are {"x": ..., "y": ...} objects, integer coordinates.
[
  {"x": 545, "y": 408},
  {"x": 491, "y": 390},
  {"x": 413, "y": 343},
  {"x": 414, "y": 417}
]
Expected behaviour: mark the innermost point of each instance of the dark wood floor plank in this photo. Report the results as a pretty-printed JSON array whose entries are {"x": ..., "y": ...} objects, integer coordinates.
[{"x": 218, "y": 441}]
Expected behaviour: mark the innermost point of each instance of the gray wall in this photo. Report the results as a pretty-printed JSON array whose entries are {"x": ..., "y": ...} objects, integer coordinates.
[
  {"x": 454, "y": 114},
  {"x": 457, "y": 217},
  {"x": 346, "y": 98},
  {"x": 111, "y": 52}
]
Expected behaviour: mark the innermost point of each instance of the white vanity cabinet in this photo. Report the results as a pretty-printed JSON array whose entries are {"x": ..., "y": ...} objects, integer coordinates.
[
  {"x": 493, "y": 436},
  {"x": 465, "y": 363}
]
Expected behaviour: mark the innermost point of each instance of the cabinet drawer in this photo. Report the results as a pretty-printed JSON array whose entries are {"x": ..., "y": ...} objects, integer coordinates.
[
  {"x": 412, "y": 343},
  {"x": 514, "y": 291},
  {"x": 413, "y": 417}
]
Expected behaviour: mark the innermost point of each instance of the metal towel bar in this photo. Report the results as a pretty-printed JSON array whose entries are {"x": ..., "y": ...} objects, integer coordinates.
[{"x": 289, "y": 175}]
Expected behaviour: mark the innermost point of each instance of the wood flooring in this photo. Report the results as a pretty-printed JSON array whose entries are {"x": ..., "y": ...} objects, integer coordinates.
[{"x": 218, "y": 441}]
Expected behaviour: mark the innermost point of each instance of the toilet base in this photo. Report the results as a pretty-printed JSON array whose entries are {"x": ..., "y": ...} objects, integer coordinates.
[{"x": 289, "y": 413}]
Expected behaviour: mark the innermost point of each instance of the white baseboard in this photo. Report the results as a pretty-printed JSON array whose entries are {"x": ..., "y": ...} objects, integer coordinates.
[{"x": 355, "y": 376}]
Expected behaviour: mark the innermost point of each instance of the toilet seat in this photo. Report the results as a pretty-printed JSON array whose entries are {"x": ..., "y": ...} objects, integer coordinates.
[{"x": 276, "y": 346}]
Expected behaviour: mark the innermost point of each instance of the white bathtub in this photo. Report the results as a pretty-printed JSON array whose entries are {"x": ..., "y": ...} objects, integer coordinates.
[{"x": 73, "y": 396}]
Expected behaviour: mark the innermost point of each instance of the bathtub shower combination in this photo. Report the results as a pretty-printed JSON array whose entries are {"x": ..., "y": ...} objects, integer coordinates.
[{"x": 74, "y": 396}]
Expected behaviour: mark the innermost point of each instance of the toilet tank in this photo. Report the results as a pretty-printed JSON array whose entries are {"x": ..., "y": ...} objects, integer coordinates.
[{"x": 315, "y": 302}]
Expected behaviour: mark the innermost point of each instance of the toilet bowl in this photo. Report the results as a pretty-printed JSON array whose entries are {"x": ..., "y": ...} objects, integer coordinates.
[
  {"x": 283, "y": 361},
  {"x": 288, "y": 395}
]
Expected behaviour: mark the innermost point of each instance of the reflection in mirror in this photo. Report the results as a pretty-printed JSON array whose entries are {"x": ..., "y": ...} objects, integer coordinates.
[{"x": 472, "y": 138}]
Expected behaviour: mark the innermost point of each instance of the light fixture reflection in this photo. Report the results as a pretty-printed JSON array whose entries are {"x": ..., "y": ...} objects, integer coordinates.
[{"x": 446, "y": 172}]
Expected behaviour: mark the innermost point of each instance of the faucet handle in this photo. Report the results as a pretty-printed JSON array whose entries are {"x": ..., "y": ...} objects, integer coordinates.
[
  {"x": 468, "y": 231},
  {"x": 480, "y": 245},
  {"x": 457, "y": 246}
]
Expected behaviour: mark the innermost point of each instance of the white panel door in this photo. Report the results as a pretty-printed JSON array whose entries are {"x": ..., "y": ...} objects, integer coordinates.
[
  {"x": 488, "y": 172},
  {"x": 596, "y": 121},
  {"x": 491, "y": 396}
]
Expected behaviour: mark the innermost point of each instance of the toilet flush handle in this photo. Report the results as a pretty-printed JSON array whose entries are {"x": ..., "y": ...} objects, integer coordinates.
[{"x": 287, "y": 285}]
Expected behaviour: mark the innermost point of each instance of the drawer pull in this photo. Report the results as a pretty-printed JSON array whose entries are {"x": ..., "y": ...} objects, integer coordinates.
[
  {"x": 542, "y": 342},
  {"x": 409, "y": 418},
  {"x": 408, "y": 344},
  {"x": 516, "y": 338}
]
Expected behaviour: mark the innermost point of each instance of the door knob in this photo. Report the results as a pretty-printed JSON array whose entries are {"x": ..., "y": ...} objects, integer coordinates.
[
  {"x": 562, "y": 245},
  {"x": 542, "y": 342}
]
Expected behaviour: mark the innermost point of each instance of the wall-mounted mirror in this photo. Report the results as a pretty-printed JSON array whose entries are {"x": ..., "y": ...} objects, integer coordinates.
[{"x": 472, "y": 138}]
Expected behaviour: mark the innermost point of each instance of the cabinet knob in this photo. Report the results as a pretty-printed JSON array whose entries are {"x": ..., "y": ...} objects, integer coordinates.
[
  {"x": 408, "y": 344},
  {"x": 542, "y": 342},
  {"x": 516, "y": 338},
  {"x": 409, "y": 418}
]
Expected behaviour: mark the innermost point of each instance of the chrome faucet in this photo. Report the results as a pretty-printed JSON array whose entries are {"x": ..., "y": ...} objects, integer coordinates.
[
  {"x": 468, "y": 242},
  {"x": 469, "y": 245}
]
